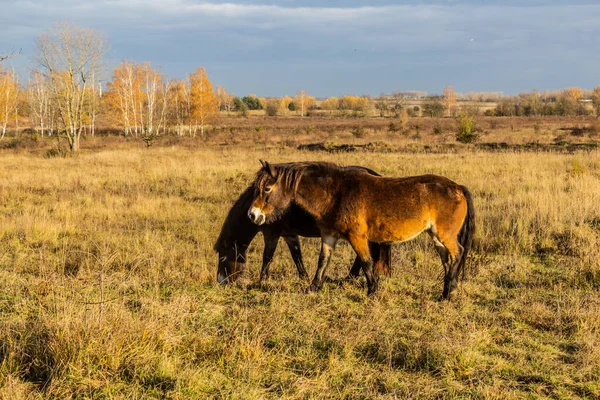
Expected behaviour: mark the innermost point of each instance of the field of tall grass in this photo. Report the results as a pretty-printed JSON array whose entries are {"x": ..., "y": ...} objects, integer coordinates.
[{"x": 107, "y": 285}]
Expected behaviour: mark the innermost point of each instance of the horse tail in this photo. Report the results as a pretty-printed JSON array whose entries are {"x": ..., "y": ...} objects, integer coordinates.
[{"x": 467, "y": 231}]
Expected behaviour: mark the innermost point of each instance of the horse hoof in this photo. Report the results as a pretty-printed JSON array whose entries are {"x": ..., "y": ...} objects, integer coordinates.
[{"x": 313, "y": 288}]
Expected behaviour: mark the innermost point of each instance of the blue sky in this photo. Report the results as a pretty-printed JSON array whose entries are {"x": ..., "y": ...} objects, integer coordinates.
[{"x": 331, "y": 48}]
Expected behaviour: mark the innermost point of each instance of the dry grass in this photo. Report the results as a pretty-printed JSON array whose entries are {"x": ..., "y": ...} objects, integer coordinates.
[{"x": 107, "y": 285}]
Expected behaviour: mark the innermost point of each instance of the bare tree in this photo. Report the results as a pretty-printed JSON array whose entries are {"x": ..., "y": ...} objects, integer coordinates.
[
  {"x": 39, "y": 100},
  {"x": 9, "y": 55},
  {"x": 70, "y": 57},
  {"x": 300, "y": 101},
  {"x": 449, "y": 100}
]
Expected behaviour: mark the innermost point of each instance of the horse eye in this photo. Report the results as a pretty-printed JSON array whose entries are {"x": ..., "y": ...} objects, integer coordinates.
[{"x": 267, "y": 189}]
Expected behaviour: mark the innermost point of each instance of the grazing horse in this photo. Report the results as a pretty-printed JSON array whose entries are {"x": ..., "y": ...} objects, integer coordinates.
[
  {"x": 359, "y": 207},
  {"x": 238, "y": 232}
]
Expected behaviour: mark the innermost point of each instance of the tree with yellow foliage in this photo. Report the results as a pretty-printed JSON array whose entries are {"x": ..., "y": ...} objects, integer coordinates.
[
  {"x": 138, "y": 99},
  {"x": 567, "y": 102},
  {"x": 204, "y": 102},
  {"x": 331, "y": 103},
  {"x": 9, "y": 97},
  {"x": 225, "y": 99},
  {"x": 284, "y": 105}
]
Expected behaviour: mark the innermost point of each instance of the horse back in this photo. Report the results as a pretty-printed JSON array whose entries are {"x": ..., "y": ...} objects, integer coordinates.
[{"x": 398, "y": 209}]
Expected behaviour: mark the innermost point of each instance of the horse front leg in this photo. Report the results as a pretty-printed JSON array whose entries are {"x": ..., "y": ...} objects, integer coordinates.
[
  {"x": 327, "y": 247},
  {"x": 271, "y": 240},
  {"x": 293, "y": 243}
]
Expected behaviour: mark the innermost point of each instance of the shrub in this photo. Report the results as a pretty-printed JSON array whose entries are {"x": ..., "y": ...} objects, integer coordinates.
[
  {"x": 272, "y": 108},
  {"x": 358, "y": 131},
  {"x": 466, "y": 129},
  {"x": 437, "y": 129}
]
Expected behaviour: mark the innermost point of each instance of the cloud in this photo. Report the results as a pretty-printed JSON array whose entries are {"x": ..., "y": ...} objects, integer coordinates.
[{"x": 422, "y": 43}]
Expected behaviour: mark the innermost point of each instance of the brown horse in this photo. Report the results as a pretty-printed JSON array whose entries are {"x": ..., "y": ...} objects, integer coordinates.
[
  {"x": 359, "y": 207},
  {"x": 238, "y": 232}
]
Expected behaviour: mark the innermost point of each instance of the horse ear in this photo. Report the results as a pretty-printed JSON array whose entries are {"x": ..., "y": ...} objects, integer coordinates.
[{"x": 268, "y": 167}]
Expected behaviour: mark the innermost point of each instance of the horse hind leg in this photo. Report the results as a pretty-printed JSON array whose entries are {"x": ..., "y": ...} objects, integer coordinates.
[
  {"x": 450, "y": 252},
  {"x": 375, "y": 250}
]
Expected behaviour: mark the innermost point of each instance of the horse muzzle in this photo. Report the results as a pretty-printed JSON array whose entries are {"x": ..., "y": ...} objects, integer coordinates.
[{"x": 256, "y": 216}]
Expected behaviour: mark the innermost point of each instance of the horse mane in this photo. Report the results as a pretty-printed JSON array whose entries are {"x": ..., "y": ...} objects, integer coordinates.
[
  {"x": 232, "y": 221},
  {"x": 290, "y": 174}
]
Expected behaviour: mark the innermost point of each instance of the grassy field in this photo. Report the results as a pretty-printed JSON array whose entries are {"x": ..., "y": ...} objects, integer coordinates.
[{"x": 107, "y": 284}]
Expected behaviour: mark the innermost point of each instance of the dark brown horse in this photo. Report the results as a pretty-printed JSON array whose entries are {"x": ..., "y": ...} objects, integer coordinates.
[
  {"x": 360, "y": 207},
  {"x": 238, "y": 232}
]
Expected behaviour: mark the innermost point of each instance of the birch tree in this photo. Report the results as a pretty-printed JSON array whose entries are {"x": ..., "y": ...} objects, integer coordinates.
[
  {"x": 9, "y": 97},
  {"x": 225, "y": 99},
  {"x": 39, "y": 101},
  {"x": 449, "y": 100},
  {"x": 69, "y": 56},
  {"x": 300, "y": 101}
]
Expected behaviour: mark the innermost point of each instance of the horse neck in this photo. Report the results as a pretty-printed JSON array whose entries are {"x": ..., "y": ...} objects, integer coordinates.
[
  {"x": 238, "y": 231},
  {"x": 240, "y": 238},
  {"x": 316, "y": 192}
]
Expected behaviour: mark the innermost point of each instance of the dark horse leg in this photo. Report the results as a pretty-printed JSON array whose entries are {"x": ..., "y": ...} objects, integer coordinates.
[
  {"x": 375, "y": 249},
  {"x": 271, "y": 240},
  {"x": 327, "y": 246},
  {"x": 360, "y": 244},
  {"x": 293, "y": 243}
]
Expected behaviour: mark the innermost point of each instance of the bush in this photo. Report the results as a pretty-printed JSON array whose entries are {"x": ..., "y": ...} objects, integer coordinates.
[
  {"x": 272, "y": 108},
  {"x": 466, "y": 129},
  {"x": 437, "y": 129},
  {"x": 358, "y": 132}
]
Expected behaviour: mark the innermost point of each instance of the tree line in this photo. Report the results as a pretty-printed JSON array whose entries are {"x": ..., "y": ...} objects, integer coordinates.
[{"x": 64, "y": 94}]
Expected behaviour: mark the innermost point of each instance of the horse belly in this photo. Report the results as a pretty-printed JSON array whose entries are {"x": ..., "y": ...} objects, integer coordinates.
[{"x": 394, "y": 230}]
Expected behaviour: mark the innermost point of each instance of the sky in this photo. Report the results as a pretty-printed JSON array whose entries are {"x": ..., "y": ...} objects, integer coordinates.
[{"x": 334, "y": 47}]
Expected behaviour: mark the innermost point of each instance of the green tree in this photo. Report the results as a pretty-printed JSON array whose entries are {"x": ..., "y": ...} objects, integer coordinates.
[{"x": 433, "y": 107}]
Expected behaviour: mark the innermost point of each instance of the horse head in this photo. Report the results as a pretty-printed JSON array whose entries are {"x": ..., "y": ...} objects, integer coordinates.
[{"x": 273, "y": 194}]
